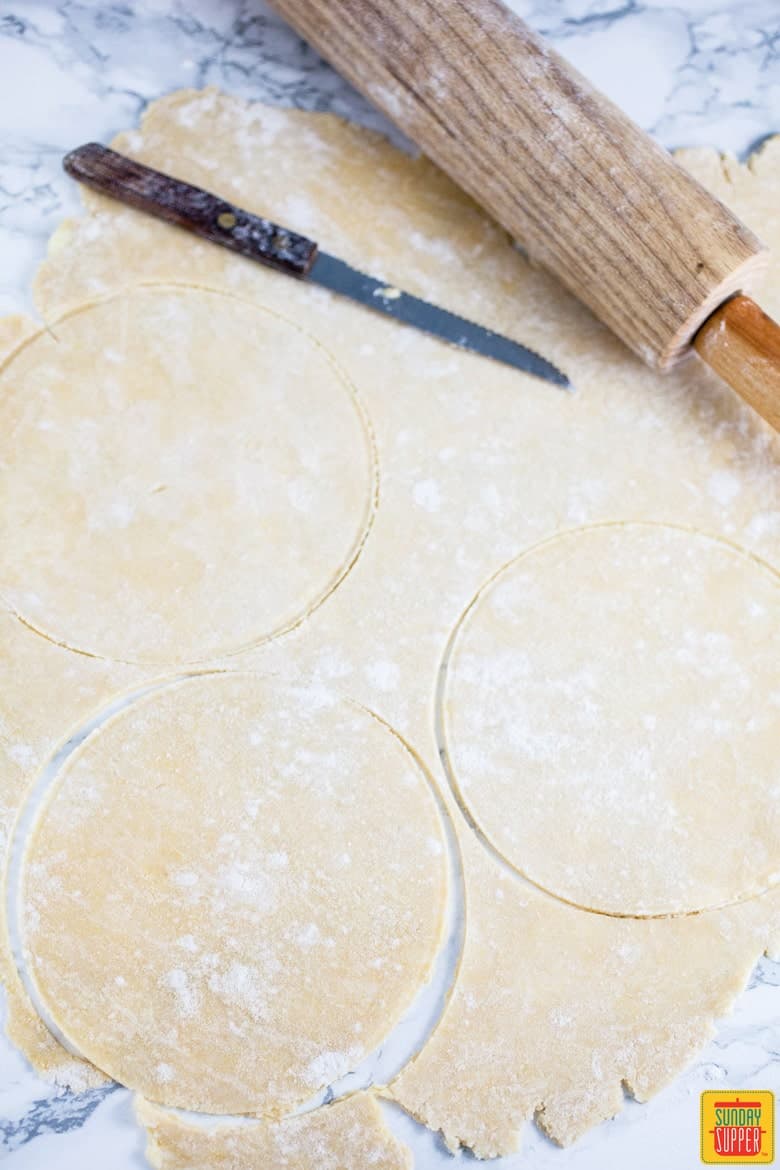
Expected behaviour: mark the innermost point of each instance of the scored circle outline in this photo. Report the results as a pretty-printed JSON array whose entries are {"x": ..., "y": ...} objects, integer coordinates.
[
  {"x": 449, "y": 932},
  {"x": 443, "y": 730},
  {"x": 200, "y": 656}
]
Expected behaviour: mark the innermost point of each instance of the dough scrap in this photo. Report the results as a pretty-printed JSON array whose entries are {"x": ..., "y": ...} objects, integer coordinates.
[
  {"x": 580, "y": 1005},
  {"x": 233, "y": 892},
  {"x": 349, "y": 1135},
  {"x": 477, "y": 464},
  {"x": 185, "y": 459},
  {"x": 609, "y": 713}
]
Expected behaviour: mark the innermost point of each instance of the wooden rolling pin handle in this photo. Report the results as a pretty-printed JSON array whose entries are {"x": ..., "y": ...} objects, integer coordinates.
[
  {"x": 742, "y": 345},
  {"x": 590, "y": 196}
]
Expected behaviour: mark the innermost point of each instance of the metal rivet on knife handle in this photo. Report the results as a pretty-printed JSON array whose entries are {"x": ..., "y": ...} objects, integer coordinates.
[{"x": 189, "y": 207}]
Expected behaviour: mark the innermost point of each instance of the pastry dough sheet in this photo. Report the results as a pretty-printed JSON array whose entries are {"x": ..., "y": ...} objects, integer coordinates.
[
  {"x": 233, "y": 892},
  {"x": 554, "y": 1006}
]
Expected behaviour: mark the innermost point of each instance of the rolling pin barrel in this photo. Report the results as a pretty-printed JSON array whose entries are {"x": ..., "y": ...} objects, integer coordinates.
[{"x": 590, "y": 196}]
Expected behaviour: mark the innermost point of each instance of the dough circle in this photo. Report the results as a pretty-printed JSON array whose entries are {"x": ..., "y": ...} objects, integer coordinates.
[
  {"x": 184, "y": 474},
  {"x": 609, "y": 717},
  {"x": 233, "y": 892}
]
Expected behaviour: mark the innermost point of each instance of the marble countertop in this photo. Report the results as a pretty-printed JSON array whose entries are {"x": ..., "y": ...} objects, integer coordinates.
[{"x": 705, "y": 72}]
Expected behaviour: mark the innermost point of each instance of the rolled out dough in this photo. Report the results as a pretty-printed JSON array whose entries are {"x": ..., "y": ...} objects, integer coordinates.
[
  {"x": 477, "y": 465},
  {"x": 350, "y": 1135},
  {"x": 182, "y": 461},
  {"x": 610, "y": 718},
  {"x": 233, "y": 892}
]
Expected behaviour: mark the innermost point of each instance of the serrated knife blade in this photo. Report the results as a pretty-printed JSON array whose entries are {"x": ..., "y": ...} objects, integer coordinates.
[{"x": 334, "y": 274}]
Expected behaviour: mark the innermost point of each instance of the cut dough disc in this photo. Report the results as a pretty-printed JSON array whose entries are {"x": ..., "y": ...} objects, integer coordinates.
[
  {"x": 184, "y": 474},
  {"x": 610, "y": 717},
  {"x": 233, "y": 893}
]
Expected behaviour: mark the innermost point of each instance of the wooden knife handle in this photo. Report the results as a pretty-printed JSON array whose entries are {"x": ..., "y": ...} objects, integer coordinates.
[
  {"x": 589, "y": 194},
  {"x": 742, "y": 345},
  {"x": 191, "y": 208}
]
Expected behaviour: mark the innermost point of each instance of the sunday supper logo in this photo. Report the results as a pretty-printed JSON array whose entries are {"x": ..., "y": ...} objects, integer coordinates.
[{"x": 737, "y": 1127}]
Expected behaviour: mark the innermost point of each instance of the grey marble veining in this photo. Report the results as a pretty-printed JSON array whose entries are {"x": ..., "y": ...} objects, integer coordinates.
[
  {"x": 692, "y": 74},
  {"x": 705, "y": 72},
  {"x": 51, "y": 1114}
]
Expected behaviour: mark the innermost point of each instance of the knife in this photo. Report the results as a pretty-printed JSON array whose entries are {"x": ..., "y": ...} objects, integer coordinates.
[{"x": 216, "y": 220}]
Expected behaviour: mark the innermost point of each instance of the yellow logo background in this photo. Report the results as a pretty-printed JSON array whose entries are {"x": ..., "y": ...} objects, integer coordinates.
[{"x": 737, "y": 1144}]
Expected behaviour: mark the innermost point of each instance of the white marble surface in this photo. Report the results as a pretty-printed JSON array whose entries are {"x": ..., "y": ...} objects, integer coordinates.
[{"x": 702, "y": 72}]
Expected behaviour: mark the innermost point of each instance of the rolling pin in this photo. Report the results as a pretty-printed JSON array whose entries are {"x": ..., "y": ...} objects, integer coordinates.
[{"x": 588, "y": 194}]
